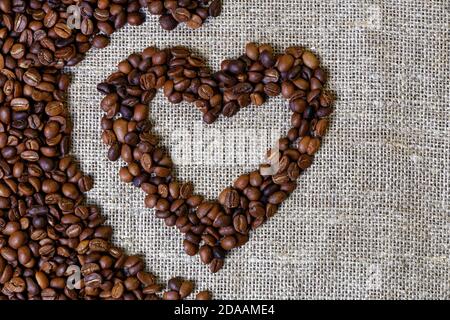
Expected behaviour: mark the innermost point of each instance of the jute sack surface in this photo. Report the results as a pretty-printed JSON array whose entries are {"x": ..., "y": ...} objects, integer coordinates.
[{"x": 370, "y": 219}]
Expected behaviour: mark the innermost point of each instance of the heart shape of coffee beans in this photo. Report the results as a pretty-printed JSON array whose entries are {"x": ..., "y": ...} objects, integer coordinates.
[{"x": 214, "y": 228}]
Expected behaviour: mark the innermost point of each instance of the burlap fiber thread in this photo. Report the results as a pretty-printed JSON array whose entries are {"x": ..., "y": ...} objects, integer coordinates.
[{"x": 370, "y": 219}]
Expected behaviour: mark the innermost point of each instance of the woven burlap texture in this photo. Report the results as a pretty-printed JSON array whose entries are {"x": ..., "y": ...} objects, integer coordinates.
[{"x": 370, "y": 219}]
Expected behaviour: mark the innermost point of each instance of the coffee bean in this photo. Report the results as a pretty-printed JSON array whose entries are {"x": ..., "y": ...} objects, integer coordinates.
[
  {"x": 205, "y": 92},
  {"x": 203, "y": 295},
  {"x": 117, "y": 291},
  {"x": 216, "y": 265},
  {"x": 285, "y": 62},
  {"x": 206, "y": 254},
  {"x": 229, "y": 198},
  {"x": 228, "y": 243},
  {"x": 267, "y": 59},
  {"x": 62, "y": 30},
  {"x": 310, "y": 60},
  {"x": 252, "y": 51},
  {"x": 186, "y": 289},
  {"x": 321, "y": 128},
  {"x": 175, "y": 284},
  {"x": 240, "y": 223},
  {"x": 100, "y": 41},
  {"x": 195, "y": 22},
  {"x": 171, "y": 295},
  {"x": 215, "y": 8},
  {"x": 277, "y": 197},
  {"x": 181, "y": 15},
  {"x": 17, "y": 239},
  {"x": 15, "y": 285},
  {"x": 167, "y": 22},
  {"x": 190, "y": 248}
]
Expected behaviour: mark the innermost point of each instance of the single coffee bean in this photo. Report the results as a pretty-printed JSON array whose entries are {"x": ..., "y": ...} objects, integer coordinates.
[
  {"x": 215, "y": 8},
  {"x": 240, "y": 223},
  {"x": 17, "y": 239},
  {"x": 186, "y": 289},
  {"x": 100, "y": 41},
  {"x": 310, "y": 60},
  {"x": 62, "y": 30},
  {"x": 171, "y": 295},
  {"x": 285, "y": 62},
  {"x": 167, "y": 22},
  {"x": 228, "y": 243},
  {"x": 206, "y": 255},
  {"x": 190, "y": 248},
  {"x": 229, "y": 198},
  {"x": 203, "y": 295},
  {"x": 216, "y": 265}
]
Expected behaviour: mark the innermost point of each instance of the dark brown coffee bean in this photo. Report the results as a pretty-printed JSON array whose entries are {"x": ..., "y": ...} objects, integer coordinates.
[
  {"x": 190, "y": 248},
  {"x": 206, "y": 254},
  {"x": 321, "y": 127},
  {"x": 100, "y": 41},
  {"x": 229, "y": 198},
  {"x": 205, "y": 92},
  {"x": 277, "y": 197},
  {"x": 181, "y": 15},
  {"x": 17, "y": 239},
  {"x": 167, "y": 22},
  {"x": 186, "y": 289},
  {"x": 266, "y": 58},
  {"x": 15, "y": 285},
  {"x": 175, "y": 284},
  {"x": 240, "y": 223},
  {"x": 228, "y": 243},
  {"x": 216, "y": 265},
  {"x": 215, "y": 8}
]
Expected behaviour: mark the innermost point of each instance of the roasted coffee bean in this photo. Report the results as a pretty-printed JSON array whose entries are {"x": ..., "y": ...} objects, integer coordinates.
[
  {"x": 171, "y": 295},
  {"x": 215, "y": 9},
  {"x": 310, "y": 60},
  {"x": 168, "y": 22},
  {"x": 229, "y": 198},
  {"x": 216, "y": 265},
  {"x": 175, "y": 284},
  {"x": 186, "y": 289},
  {"x": 190, "y": 248},
  {"x": 206, "y": 255}
]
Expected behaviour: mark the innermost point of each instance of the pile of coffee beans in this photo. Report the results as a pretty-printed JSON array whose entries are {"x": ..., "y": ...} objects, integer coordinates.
[
  {"x": 214, "y": 228},
  {"x": 192, "y": 12},
  {"x": 180, "y": 289},
  {"x": 52, "y": 244}
]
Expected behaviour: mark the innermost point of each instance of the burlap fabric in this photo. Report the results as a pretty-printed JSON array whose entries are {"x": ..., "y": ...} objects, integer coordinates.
[{"x": 370, "y": 219}]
